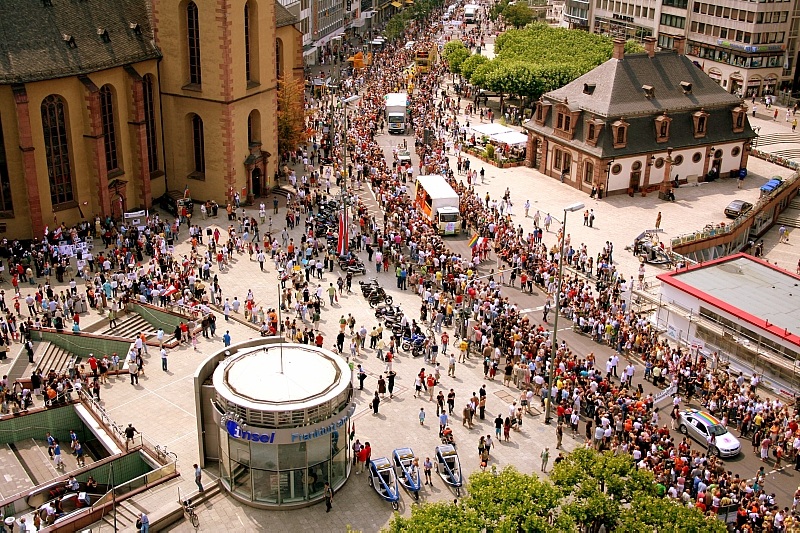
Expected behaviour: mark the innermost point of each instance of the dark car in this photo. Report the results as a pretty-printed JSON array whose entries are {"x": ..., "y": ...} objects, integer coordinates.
[
  {"x": 174, "y": 201},
  {"x": 737, "y": 208}
]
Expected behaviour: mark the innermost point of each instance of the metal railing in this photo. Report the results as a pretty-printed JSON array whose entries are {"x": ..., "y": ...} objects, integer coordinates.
[
  {"x": 105, "y": 419},
  {"x": 727, "y": 228}
]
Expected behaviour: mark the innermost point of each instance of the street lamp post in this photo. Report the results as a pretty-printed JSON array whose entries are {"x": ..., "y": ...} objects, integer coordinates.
[
  {"x": 569, "y": 209},
  {"x": 345, "y": 176}
]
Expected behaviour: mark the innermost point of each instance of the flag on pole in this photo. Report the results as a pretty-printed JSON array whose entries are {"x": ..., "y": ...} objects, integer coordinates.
[
  {"x": 473, "y": 242},
  {"x": 341, "y": 246},
  {"x": 186, "y": 191},
  {"x": 171, "y": 290}
]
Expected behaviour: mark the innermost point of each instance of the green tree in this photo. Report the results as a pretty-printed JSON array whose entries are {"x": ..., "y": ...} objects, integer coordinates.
[
  {"x": 469, "y": 65},
  {"x": 513, "y": 501},
  {"x": 665, "y": 515},
  {"x": 437, "y": 518},
  {"x": 291, "y": 118},
  {"x": 518, "y": 14},
  {"x": 455, "y": 53},
  {"x": 497, "y": 10},
  {"x": 587, "y": 491}
]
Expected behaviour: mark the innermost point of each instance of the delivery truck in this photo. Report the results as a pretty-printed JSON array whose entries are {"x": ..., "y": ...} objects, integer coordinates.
[
  {"x": 396, "y": 105},
  {"x": 436, "y": 200},
  {"x": 471, "y": 13}
]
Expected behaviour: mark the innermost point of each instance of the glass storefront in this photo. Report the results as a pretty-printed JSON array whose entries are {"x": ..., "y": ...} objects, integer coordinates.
[
  {"x": 278, "y": 443},
  {"x": 283, "y": 473}
]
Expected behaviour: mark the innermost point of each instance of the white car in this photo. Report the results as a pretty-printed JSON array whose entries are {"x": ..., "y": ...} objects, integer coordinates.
[{"x": 700, "y": 425}]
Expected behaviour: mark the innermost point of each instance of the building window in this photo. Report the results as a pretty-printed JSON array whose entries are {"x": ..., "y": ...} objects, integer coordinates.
[
  {"x": 616, "y": 169},
  {"x": 588, "y": 175},
  {"x": 700, "y": 120},
  {"x": 738, "y": 114},
  {"x": 659, "y": 162},
  {"x": 564, "y": 122},
  {"x": 637, "y": 165},
  {"x": 247, "y": 40},
  {"x": 736, "y": 151},
  {"x": 697, "y": 157},
  {"x": 279, "y": 58},
  {"x": 254, "y": 127},
  {"x": 558, "y": 154},
  {"x": 193, "y": 41},
  {"x": 150, "y": 122},
  {"x": 56, "y": 145},
  {"x": 620, "y": 135},
  {"x": 678, "y": 160},
  {"x": 6, "y": 206},
  {"x": 109, "y": 127},
  {"x": 198, "y": 145},
  {"x": 591, "y": 132}
]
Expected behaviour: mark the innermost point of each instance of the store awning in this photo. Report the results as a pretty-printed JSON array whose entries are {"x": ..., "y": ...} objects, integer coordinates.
[
  {"x": 511, "y": 138},
  {"x": 397, "y": 4}
]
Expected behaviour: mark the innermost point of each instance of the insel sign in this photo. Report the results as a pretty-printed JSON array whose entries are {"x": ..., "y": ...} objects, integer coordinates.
[{"x": 287, "y": 436}]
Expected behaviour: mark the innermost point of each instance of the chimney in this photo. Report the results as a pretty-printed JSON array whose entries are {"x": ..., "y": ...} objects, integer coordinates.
[
  {"x": 650, "y": 46},
  {"x": 619, "y": 49},
  {"x": 679, "y": 44}
]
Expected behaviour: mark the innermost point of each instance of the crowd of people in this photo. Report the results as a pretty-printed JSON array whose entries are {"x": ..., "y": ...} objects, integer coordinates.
[{"x": 598, "y": 399}]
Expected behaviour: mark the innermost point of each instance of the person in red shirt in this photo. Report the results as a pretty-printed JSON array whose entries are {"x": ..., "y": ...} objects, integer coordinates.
[{"x": 363, "y": 457}]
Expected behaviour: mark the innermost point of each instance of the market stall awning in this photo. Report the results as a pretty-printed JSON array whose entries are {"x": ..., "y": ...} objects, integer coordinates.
[
  {"x": 397, "y": 4},
  {"x": 511, "y": 138},
  {"x": 490, "y": 129}
]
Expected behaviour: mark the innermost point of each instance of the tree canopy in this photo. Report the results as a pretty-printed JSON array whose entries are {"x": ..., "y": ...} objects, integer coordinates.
[
  {"x": 586, "y": 491},
  {"x": 538, "y": 59},
  {"x": 420, "y": 10},
  {"x": 455, "y": 53},
  {"x": 518, "y": 14},
  {"x": 291, "y": 118}
]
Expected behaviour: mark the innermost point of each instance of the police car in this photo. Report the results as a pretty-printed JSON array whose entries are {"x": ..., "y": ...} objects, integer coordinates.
[{"x": 701, "y": 426}]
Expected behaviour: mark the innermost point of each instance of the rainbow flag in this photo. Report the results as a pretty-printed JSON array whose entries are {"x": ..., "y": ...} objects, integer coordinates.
[{"x": 473, "y": 241}]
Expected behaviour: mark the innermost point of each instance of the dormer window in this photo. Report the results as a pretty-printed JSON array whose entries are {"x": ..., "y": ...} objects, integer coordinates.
[
  {"x": 103, "y": 33},
  {"x": 620, "y": 131},
  {"x": 738, "y": 115},
  {"x": 663, "y": 124},
  {"x": 592, "y": 128},
  {"x": 542, "y": 109},
  {"x": 564, "y": 122},
  {"x": 70, "y": 40},
  {"x": 700, "y": 120}
]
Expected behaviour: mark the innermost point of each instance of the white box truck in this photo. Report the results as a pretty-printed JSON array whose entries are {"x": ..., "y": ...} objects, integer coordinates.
[
  {"x": 471, "y": 13},
  {"x": 396, "y": 105},
  {"x": 436, "y": 200}
]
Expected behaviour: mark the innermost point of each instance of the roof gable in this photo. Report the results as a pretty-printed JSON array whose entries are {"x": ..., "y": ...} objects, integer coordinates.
[
  {"x": 33, "y": 47},
  {"x": 618, "y": 87}
]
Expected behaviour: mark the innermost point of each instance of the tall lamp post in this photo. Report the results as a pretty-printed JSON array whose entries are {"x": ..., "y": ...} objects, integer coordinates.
[
  {"x": 569, "y": 209},
  {"x": 345, "y": 177}
]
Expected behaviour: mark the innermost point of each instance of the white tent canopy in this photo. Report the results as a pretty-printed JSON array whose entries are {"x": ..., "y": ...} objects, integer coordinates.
[
  {"x": 490, "y": 129},
  {"x": 511, "y": 138}
]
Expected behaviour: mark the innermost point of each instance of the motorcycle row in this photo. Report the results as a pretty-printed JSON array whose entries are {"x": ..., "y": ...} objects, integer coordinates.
[{"x": 409, "y": 335}]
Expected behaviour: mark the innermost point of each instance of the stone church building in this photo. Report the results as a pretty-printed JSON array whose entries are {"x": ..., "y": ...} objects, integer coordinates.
[{"x": 107, "y": 104}]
